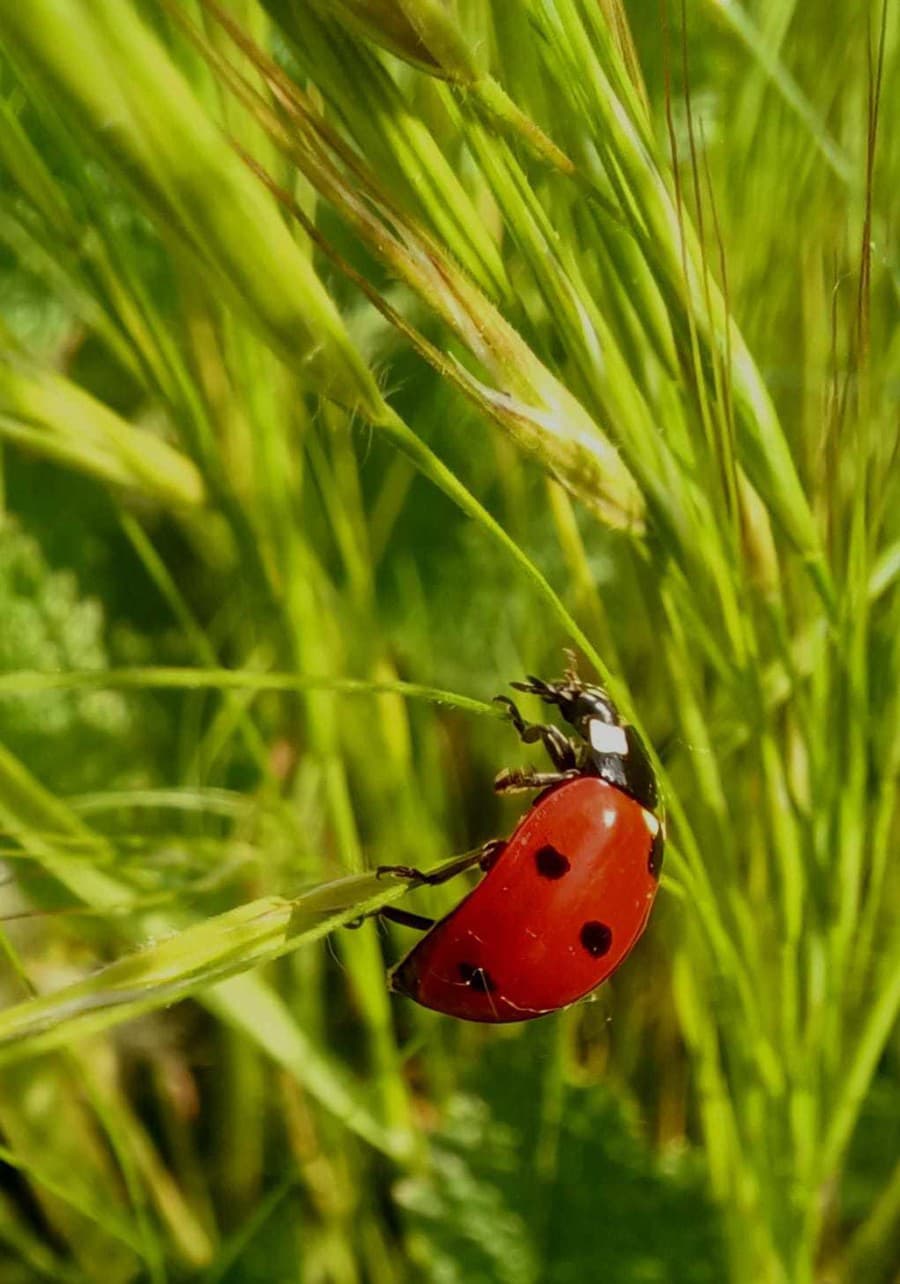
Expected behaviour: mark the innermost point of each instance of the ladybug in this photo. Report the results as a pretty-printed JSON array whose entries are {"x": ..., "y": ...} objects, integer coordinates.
[{"x": 566, "y": 897}]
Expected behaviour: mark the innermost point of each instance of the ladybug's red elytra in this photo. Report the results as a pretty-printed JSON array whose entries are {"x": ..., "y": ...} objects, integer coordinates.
[{"x": 563, "y": 900}]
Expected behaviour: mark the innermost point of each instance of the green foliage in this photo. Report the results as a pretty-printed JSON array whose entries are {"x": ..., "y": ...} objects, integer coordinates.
[
  {"x": 78, "y": 740},
  {"x": 605, "y": 1201},
  {"x": 469, "y": 1228},
  {"x": 355, "y": 359}
]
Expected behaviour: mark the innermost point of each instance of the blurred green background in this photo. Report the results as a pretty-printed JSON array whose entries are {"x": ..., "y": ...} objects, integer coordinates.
[{"x": 356, "y": 358}]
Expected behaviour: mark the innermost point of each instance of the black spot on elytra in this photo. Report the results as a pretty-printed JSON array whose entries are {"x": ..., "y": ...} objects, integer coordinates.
[
  {"x": 476, "y": 978},
  {"x": 596, "y": 939},
  {"x": 551, "y": 863},
  {"x": 655, "y": 859}
]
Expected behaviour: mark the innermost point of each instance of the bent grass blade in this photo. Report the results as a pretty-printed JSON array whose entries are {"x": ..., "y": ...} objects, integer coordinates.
[{"x": 189, "y": 961}]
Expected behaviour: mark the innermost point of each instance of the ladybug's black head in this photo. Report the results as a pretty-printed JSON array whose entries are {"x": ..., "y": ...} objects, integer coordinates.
[
  {"x": 614, "y": 750},
  {"x": 578, "y": 702}
]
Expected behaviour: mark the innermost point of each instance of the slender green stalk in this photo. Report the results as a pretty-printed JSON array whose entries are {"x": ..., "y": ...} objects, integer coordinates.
[{"x": 252, "y": 256}]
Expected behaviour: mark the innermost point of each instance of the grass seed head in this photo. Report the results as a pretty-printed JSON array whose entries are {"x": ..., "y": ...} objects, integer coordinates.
[{"x": 422, "y": 32}]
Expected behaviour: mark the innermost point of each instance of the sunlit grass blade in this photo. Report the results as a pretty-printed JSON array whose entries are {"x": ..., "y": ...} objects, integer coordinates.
[
  {"x": 424, "y": 33},
  {"x": 52, "y": 416},
  {"x": 579, "y": 49},
  {"x": 526, "y": 399},
  {"x": 119, "y": 84},
  {"x": 70, "y": 850},
  {"x": 188, "y": 962},
  {"x": 395, "y": 140},
  {"x": 736, "y": 16}
]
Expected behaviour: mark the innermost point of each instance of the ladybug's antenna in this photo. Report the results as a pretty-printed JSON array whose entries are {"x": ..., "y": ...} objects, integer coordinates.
[{"x": 554, "y": 692}]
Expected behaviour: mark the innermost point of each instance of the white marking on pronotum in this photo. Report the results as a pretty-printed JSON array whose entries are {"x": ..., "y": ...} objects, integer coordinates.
[
  {"x": 608, "y": 739},
  {"x": 651, "y": 822}
]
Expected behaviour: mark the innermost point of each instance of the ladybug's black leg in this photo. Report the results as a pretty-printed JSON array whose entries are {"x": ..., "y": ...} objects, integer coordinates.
[
  {"x": 406, "y": 918},
  {"x": 490, "y": 852},
  {"x": 450, "y": 871},
  {"x": 517, "y": 779},
  {"x": 563, "y": 753},
  {"x": 561, "y": 750},
  {"x": 484, "y": 857}
]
